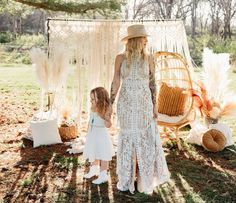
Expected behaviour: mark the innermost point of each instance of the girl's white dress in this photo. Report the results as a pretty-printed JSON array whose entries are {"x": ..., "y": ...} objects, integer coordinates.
[{"x": 98, "y": 144}]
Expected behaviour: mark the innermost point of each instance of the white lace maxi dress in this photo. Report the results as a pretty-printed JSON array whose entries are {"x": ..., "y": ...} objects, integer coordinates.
[{"x": 139, "y": 138}]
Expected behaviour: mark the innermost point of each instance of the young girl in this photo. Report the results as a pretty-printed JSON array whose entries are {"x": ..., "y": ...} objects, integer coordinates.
[{"x": 98, "y": 147}]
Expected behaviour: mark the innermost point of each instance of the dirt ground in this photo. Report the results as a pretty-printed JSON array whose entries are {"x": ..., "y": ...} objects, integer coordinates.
[{"x": 50, "y": 174}]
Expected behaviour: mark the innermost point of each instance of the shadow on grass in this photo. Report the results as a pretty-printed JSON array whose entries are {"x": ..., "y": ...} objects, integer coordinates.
[
  {"x": 201, "y": 176},
  {"x": 50, "y": 174},
  {"x": 46, "y": 174}
]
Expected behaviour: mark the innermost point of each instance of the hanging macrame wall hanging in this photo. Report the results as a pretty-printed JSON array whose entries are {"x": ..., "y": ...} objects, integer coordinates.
[{"x": 93, "y": 45}]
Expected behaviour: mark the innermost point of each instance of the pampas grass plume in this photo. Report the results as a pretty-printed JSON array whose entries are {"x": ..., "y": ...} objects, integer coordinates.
[
  {"x": 229, "y": 109},
  {"x": 40, "y": 61}
]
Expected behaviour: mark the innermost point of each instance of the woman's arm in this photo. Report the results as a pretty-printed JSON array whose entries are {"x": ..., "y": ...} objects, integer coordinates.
[
  {"x": 115, "y": 85},
  {"x": 107, "y": 117},
  {"x": 152, "y": 84}
]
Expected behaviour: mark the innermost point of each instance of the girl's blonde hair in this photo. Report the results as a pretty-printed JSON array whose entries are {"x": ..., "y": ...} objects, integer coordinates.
[
  {"x": 102, "y": 100},
  {"x": 135, "y": 49}
]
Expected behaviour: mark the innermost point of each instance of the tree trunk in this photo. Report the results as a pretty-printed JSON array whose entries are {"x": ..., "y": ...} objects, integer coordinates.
[
  {"x": 227, "y": 29},
  {"x": 14, "y": 26},
  {"x": 20, "y": 25},
  {"x": 194, "y": 18}
]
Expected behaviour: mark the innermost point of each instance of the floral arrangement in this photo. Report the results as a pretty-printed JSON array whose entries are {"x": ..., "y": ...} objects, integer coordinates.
[
  {"x": 209, "y": 107},
  {"x": 66, "y": 119},
  {"x": 68, "y": 127},
  {"x": 212, "y": 96}
]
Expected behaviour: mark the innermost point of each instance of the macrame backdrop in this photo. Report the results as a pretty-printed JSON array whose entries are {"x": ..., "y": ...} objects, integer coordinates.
[{"x": 93, "y": 45}]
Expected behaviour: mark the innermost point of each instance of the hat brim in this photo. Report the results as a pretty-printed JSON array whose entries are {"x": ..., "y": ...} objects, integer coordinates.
[{"x": 133, "y": 36}]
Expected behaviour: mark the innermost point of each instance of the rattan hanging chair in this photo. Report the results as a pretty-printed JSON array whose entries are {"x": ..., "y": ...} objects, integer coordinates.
[{"x": 175, "y": 105}]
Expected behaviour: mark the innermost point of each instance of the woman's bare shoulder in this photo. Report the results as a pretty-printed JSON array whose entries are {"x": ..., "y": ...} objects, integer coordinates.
[{"x": 120, "y": 57}]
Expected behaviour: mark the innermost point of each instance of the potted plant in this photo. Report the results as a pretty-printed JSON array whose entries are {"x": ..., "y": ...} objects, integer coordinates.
[{"x": 68, "y": 128}]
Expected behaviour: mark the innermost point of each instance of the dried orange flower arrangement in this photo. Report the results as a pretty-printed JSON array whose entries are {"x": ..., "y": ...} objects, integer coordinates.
[
  {"x": 68, "y": 128},
  {"x": 209, "y": 108}
]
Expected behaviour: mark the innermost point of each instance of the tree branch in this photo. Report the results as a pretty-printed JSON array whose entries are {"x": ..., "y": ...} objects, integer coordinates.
[{"x": 73, "y": 6}]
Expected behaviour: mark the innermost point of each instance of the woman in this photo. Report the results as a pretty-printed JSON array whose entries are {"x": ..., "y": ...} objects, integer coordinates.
[{"x": 139, "y": 146}]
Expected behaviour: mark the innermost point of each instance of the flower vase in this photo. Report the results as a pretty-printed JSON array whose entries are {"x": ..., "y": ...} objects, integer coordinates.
[
  {"x": 50, "y": 100},
  {"x": 209, "y": 121}
]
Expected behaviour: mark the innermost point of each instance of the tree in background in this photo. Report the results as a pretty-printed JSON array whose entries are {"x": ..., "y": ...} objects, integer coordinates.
[
  {"x": 103, "y": 7},
  {"x": 17, "y": 12},
  {"x": 229, "y": 9},
  {"x": 221, "y": 13},
  {"x": 28, "y": 16},
  {"x": 158, "y": 9},
  {"x": 215, "y": 17}
]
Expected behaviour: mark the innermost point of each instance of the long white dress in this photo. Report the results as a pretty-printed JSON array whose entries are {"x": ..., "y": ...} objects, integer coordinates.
[
  {"x": 98, "y": 145},
  {"x": 139, "y": 141}
]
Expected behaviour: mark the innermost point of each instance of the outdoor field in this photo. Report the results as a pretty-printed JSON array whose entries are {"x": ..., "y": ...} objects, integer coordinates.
[
  {"x": 88, "y": 87},
  {"x": 50, "y": 174}
]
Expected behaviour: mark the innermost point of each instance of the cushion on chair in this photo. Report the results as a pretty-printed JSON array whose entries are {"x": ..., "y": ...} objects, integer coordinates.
[
  {"x": 213, "y": 140},
  {"x": 171, "y": 100}
]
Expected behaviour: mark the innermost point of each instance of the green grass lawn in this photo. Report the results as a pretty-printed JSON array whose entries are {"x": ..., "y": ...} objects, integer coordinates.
[
  {"x": 50, "y": 173},
  {"x": 21, "y": 83}
]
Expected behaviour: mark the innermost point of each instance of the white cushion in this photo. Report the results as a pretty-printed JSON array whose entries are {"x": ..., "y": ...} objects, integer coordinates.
[
  {"x": 225, "y": 129},
  {"x": 169, "y": 119},
  {"x": 45, "y": 132},
  {"x": 195, "y": 134}
]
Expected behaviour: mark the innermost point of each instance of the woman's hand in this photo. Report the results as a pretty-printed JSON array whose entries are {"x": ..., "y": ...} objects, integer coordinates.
[
  {"x": 108, "y": 113},
  {"x": 155, "y": 113}
]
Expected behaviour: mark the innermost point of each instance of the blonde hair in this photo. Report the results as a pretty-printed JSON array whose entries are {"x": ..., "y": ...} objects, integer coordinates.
[
  {"x": 102, "y": 100},
  {"x": 135, "y": 49}
]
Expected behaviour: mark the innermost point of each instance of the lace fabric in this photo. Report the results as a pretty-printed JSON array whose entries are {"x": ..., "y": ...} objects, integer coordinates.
[{"x": 139, "y": 139}]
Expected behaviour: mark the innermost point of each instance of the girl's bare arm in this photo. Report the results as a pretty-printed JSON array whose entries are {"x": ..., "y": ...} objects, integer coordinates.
[{"x": 115, "y": 85}]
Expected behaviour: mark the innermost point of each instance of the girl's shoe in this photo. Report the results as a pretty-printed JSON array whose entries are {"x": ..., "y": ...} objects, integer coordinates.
[
  {"x": 102, "y": 178},
  {"x": 93, "y": 171}
]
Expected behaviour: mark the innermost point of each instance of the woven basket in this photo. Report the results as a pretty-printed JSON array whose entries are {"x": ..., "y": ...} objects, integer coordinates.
[{"x": 68, "y": 133}]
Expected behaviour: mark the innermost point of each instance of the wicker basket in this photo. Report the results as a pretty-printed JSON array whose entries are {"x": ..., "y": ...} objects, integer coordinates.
[{"x": 68, "y": 133}]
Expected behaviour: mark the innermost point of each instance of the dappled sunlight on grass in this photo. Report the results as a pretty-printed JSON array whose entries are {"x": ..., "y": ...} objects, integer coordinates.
[
  {"x": 50, "y": 174},
  {"x": 203, "y": 177}
]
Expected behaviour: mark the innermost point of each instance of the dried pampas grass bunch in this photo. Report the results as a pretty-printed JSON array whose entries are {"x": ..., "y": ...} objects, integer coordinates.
[
  {"x": 40, "y": 62},
  {"x": 215, "y": 75},
  {"x": 51, "y": 71},
  {"x": 59, "y": 67},
  {"x": 213, "y": 99}
]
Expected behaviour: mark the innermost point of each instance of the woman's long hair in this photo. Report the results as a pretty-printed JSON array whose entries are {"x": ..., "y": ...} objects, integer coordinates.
[
  {"x": 102, "y": 100},
  {"x": 135, "y": 49}
]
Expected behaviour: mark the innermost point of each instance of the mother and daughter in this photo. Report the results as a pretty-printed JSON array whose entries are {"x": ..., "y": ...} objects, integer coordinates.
[{"x": 140, "y": 156}]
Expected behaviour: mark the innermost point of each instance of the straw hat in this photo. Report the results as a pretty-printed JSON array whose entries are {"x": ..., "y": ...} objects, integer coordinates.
[{"x": 135, "y": 31}]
